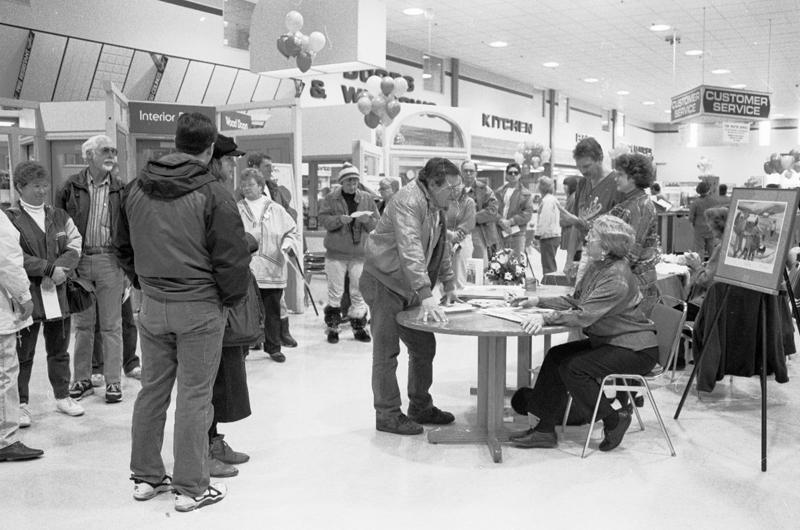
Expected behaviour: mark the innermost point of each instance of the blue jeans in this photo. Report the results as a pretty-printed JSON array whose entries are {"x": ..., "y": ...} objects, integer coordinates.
[
  {"x": 180, "y": 341},
  {"x": 104, "y": 272},
  {"x": 384, "y": 306}
]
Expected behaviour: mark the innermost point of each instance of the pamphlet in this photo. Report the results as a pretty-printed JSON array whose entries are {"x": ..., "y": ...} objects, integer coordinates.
[
  {"x": 514, "y": 229},
  {"x": 52, "y": 309}
]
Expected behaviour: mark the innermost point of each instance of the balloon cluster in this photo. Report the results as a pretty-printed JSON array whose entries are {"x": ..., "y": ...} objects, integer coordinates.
[
  {"x": 781, "y": 163},
  {"x": 704, "y": 165},
  {"x": 531, "y": 156},
  {"x": 379, "y": 103},
  {"x": 295, "y": 43}
]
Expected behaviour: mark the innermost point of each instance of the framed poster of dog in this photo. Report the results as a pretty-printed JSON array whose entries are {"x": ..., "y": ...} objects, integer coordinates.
[{"x": 758, "y": 233}]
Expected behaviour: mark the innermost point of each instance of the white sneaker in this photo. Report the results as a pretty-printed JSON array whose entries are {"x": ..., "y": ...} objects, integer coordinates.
[
  {"x": 98, "y": 380},
  {"x": 143, "y": 491},
  {"x": 24, "y": 416},
  {"x": 69, "y": 407},
  {"x": 135, "y": 373},
  {"x": 214, "y": 493}
]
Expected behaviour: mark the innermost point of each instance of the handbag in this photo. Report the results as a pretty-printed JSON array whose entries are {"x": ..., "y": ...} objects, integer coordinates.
[
  {"x": 80, "y": 294},
  {"x": 245, "y": 324}
]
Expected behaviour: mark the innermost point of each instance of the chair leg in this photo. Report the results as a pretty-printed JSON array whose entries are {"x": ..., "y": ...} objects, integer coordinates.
[
  {"x": 594, "y": 418},
  {"x": 635, "y": 409},
  {"x": 658, "y": 417},
  {"x": 566, "y": 414}
]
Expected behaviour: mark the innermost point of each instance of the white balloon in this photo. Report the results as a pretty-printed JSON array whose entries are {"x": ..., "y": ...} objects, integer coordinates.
[
  {"x": 400, "y": 86},
  {"x": 518, "y": 157},
  {"x": 316, "y": 41},
  {"x": 304, "y": 42},
  {"x": 293, "y": 21},
  {"x": 374, "y": 85}
]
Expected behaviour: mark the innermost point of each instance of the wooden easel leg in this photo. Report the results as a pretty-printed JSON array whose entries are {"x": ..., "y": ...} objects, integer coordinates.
[{"x": 764, "y": 388}]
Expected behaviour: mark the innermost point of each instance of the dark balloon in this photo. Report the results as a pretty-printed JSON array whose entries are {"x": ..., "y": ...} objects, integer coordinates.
[
  {"x": 282, "y": 45},
  {"x": 292, "y": 45},
  {"x": 393, "y": 108},
  {"x": 372, "y": 120},
  {"x": 304, "y": 61}
]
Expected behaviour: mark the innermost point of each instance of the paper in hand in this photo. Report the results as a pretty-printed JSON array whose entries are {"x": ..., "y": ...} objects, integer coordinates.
[{"x": 52, "y": 309}]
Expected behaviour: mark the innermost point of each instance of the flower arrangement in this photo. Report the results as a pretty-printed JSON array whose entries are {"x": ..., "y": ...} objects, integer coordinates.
[{"x": 506, "y": 268}]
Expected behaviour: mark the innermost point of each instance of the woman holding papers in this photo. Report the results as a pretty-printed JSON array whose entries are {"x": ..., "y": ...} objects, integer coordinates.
[
  {"x": 620, "y": 339},
  {"x": 515, "y": 206},
  {"x": 51, "y": 245}
]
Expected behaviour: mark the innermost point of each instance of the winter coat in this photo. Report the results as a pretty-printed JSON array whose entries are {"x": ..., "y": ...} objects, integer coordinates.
[
  {"x": 346, "y": 241},
  {"x": 14, "y": 284},
  {"x": 75, "y": 199},
  {"x": 274, "y": 230},
  {"x": 58, "y": 246}
]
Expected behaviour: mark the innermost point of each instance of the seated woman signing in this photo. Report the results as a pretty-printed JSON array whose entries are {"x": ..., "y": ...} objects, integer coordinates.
[{"x": 621, "y": 340}]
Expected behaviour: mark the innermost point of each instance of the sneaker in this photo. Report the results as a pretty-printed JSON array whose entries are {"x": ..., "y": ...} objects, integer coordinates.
[
  {"x": 361, "y": 335},
  {"x": 400, "y": 424},
  {"x": 113, "y": 393},
  {"x": 278, "y": 357},
  {"x": 69, "y": 407},
  {"x": 143, "y": 491},
  {"x": 81, "y": 389},
  {"x": 218, "y": 469},
  {"x": 222, "y": 451},
  {"x": 431, "y": 416},
  {"x": 135, "y": 373},
  {"x": 24, "y": 416},
  {"x": 98, "y": 380},
  {"x": 214, "y": 493},
  {"x": 18, "y": 451}
]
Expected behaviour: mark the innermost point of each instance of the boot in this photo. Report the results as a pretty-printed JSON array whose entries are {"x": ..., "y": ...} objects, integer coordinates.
[
  {"x": 359, "y": 329},
  {"x": 332, "y": 319},
  {"x": 286, "y": 338}
]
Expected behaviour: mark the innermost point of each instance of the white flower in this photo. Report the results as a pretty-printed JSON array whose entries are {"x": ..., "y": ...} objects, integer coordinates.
[
  {"x": 502, "y": 259},
  {"x": 496, "y": 267},
  {"x": 519, "y": 270},
  {"x": 508, "y": 277}
]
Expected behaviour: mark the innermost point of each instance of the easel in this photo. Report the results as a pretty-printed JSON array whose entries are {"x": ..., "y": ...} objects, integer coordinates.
[{"x": 762, "y": 375}]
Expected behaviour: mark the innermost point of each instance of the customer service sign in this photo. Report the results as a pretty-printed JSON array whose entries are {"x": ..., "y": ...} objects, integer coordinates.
[{"x": 720, "y": 102}]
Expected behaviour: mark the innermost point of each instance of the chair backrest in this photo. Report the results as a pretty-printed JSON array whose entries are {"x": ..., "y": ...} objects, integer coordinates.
[{"x": 669, "y": 315}]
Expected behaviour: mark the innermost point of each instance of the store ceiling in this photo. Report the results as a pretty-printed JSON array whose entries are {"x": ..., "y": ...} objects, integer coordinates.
[{"x": 610, "y": 40}]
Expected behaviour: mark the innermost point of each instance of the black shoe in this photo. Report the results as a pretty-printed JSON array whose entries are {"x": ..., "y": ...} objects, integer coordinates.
[
  {"x": 613, "y": 437},
  {"x": 19, "y": 451},
  {"x": 537, "y": 440},
  {"x": 401, "y": 424},
  {"x": 286, "y": 337},
  {"x": 361, "y": 335},
  {"x": 638, "y": 401},
  {"x": 80, "y": 389},
  {"x": 520, "y": 434},
  {"x": 113, "y": 393},
  {"x": 333, "y": 337},
  {"x": 432, "y": 416},
  {"x": 278, "y": 357}
]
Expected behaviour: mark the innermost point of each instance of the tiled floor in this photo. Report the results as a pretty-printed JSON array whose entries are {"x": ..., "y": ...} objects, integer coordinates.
[{"x": 318, "y": 463}]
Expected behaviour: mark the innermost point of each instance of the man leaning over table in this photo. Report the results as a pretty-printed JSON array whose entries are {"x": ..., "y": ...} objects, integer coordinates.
[{"x": 406, "y": 255}]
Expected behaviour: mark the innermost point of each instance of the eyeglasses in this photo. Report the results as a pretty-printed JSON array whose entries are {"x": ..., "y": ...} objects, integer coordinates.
[
  {"x": 468, "y": 171},
  {"x": 108, "y": 151},
  {"x": 513, "y": 172}
]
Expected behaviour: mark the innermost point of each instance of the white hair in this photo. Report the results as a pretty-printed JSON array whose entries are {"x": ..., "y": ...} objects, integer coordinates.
[{"x": 92, "y": 143}]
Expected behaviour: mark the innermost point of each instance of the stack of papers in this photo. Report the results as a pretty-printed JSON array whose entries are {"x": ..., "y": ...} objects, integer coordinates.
[
  {"x": 457, "y": 308},
  {"x": 514, "y": 314},
  {"x": 491, "y": 291},
  {"x": 356, "y": 215}
]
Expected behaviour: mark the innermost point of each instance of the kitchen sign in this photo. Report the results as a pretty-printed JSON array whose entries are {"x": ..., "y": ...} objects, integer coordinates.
[
  {"x": 714, "y": 101},
  {"x": 161, "y": 118}
]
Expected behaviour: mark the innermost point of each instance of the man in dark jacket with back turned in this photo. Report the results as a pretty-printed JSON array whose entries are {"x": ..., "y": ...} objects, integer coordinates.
[{"x": 181, "y": 238}]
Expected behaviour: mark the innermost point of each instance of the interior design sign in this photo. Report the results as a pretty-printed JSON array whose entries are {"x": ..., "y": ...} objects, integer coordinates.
[
  {"x": 161, "y": 118},
  {"x": 724, "y": 102}
]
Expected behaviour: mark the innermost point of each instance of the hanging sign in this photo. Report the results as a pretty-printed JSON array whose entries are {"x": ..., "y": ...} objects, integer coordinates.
[
  {"x": 161, "y": 118},
  {"x": 736, "y": 132},
  {"x": 230, "y": 120},
  {"x": 720, "y": 102}
]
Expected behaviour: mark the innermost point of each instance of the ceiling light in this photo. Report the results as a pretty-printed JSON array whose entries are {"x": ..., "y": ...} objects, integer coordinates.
[
  {"x": 720, "y": 71},
  {"x": 694, "y": 53},
  {"x": 667, "y": 111},
  {"x": 202, "y": 19},
  {"x": 4, "y": 123},
  {"x": 550, "y": 64},
  {"x": 738, "y": 85},
  {"x": 778, "y": 115},
  {"x": 622, "y": 92},
  {"x": 660, "y": 27},
  {"x": 498, "y": 44},
  {"x": 648, "y": 102},
  {"x": 413, "y": 11},
  {"x": 590, "y": 80},
  {"x": 426, "y": 76}
]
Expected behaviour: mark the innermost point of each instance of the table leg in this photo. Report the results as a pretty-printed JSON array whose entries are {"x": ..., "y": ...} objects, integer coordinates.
[
  {"x": 483, "y": 380},
  {"x": 524, "y": 360},
  {"x": 496, "y": 354}
]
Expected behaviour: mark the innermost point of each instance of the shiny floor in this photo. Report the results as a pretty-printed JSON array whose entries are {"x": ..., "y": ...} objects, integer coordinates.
[{"x": 318, "y": 463}]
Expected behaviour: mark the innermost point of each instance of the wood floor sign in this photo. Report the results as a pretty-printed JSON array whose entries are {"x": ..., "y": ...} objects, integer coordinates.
[{"x": 711, "y": 101}]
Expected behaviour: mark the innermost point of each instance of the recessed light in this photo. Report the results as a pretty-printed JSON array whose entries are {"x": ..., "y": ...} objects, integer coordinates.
[
  {"x": 667, "y": 111},
  {"x": 413, "y": 11},
  {"x": 720, "y": 71},
  {"x": 660, "y": 27},
  {"x": 202, "y": 19},
  {"x": 4, "y": 123},
  {"x": 738, "y": 85},
  {"x": 426, "y": 76},
  {"x": 550, "y": 64},
  {"x": 498, "y": 44},
  {"x": 622, "y": 92},
  {"x": 694, "y": 53},
  {"x": 590, "y": 80},
  {"x": 648, "y": 102}
]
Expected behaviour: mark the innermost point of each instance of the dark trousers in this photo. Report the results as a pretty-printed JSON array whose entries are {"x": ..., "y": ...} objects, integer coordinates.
[
  {"x": 130, "y": 338},
  {"x": 548, "y": 248},
  {"x": 56, "y": 342},
  {"x": 230, "y": 397},
  {"x": 578, "y": 368},
  {"x": 271, "y": 298}
]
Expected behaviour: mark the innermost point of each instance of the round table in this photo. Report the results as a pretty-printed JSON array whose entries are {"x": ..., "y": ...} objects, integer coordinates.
[{"x": 491, "y": 333}]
